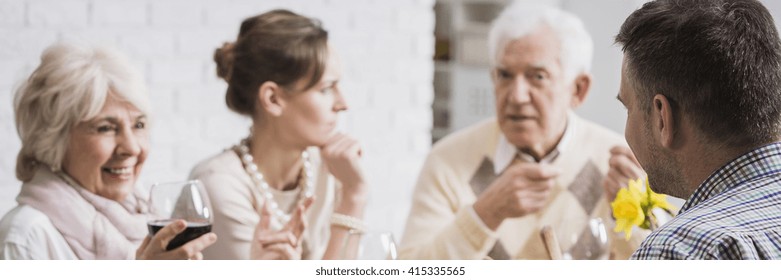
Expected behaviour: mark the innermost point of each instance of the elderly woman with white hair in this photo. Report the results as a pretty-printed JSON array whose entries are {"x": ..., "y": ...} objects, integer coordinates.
[{"x": 82, "y": 117}]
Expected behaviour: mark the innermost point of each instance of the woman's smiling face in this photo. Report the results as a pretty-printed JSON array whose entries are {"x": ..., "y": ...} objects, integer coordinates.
[{"x": 106, "y": 153}]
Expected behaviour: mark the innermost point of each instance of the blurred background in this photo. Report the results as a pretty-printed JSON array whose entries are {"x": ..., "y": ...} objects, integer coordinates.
[{"x": 414, "y": 71}]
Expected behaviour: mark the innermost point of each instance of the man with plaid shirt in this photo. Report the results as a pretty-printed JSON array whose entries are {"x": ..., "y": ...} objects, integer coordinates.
[{"x": 701, "y": 81}]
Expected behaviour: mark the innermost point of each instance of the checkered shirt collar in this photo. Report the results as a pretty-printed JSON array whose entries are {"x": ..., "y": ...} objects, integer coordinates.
[{"x": 757, "y": 163}]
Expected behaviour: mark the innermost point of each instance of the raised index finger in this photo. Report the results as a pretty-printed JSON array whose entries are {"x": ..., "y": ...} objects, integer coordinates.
[{"x": 298, "y": 223}]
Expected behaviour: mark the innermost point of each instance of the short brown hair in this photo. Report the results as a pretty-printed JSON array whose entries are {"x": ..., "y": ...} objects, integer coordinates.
[{"x": 719, "y": 61}]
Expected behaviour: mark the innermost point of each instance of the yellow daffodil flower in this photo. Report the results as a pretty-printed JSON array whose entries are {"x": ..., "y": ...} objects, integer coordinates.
[
  {"x": 637, "y": 189},
  {"x": 657, "y": 200},
  {"x": 627, "y": 211},
  {"x": 634, "y": 204}
]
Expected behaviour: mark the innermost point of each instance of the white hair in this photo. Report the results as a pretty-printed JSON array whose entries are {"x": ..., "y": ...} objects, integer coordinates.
[
  {"x": 521, "y": 18},
  {"x": 69, "y": 86}
]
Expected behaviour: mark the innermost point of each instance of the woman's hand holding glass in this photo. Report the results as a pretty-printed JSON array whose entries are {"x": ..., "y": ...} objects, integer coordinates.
[
  {"x": 284, "y": 244},
  {"x": 180, "y": 222},
  {"x": 153, "y": 247}
]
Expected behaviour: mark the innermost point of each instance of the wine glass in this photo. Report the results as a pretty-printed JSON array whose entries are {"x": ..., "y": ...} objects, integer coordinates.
[
  {"x": 585, "y": 239},
  {"x": 372, "y": 245},
  {"x": 186, "y": 200}
]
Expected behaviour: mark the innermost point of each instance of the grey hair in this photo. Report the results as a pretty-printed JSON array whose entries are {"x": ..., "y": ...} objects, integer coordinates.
[
  {"x": 69, "y": 86},
  {"x": 521, "y": 18}
]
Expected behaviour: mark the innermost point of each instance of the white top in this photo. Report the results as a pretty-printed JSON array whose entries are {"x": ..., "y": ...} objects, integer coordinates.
[{"x": 27, "y": 234}]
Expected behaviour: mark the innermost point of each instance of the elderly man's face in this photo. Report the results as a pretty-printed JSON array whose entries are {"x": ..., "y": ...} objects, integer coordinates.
[
  {"x": 532, "y": 94},
  {"x": 105, "y": 154}
]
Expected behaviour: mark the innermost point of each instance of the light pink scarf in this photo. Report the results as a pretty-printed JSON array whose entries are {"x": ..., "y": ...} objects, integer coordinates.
[{"x": 95, "y": 227}]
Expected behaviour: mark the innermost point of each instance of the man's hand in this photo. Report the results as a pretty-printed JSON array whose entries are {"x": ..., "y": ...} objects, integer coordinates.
[
  {"x": 623, "y": 167},
  {"x": 522, "y": 189}
]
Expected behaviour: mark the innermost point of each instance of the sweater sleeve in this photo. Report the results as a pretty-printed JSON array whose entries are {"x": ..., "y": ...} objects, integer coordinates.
[
  {"x": 438, "y": 227},
  {"x": 235, "y": 216}
]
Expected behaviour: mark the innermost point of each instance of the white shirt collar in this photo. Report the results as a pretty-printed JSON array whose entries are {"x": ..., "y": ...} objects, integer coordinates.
[{"x": 505, "y": 152}]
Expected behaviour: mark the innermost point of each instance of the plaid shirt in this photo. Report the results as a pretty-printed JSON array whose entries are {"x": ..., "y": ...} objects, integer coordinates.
[{"x": 734, "y": 214}]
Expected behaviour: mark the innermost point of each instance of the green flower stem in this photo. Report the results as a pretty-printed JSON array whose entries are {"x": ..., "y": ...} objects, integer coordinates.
[{"x": 652, "y": 220}]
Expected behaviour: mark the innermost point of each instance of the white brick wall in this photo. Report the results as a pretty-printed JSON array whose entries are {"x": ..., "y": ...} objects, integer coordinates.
[
  {"x": 12, "y": 13},
  {"x": 58, "y": 13},
  {"x": 385, "y": 47},
  {"x": 119, "y": 13}
]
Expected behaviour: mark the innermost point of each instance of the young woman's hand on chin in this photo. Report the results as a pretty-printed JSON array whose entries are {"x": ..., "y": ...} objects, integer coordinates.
[{"x": 342, "y": 155}]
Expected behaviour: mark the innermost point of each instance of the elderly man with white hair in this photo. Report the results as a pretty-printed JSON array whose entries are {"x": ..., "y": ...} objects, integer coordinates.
[{"x": 487, "y": 190}]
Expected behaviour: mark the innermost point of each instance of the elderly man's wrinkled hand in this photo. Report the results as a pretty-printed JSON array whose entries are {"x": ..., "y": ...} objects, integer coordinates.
[
  {"x": 153, "y": 248},
  {"x": 623, "y": 167},
  {"x": 522, "y": 189}
]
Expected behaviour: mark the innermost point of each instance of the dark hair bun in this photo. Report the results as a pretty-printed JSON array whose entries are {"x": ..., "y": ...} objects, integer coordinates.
[{"x": 223, "y": 56}]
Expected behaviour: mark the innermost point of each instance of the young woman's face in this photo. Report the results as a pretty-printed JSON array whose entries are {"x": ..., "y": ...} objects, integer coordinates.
[
  {"x": 105, "y": 154},
  {"x": 309, "y": 117}
]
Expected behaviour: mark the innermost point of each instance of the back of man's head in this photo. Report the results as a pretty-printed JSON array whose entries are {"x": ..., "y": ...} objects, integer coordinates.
[
  {"x": 718, "y": 61},
  {"x": 521, "y": 18}
]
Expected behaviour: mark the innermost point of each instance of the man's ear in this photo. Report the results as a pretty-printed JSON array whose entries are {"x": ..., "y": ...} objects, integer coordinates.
[
  {"x": 663, "y": 120},
  {"x": 582, "y": 88},
  {"x": 270, "y": 98}
]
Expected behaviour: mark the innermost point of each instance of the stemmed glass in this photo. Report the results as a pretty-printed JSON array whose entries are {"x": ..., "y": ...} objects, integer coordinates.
[
  {"x": 584, "y": 240},
  {"x": 372, "y": 245},
  {"x": 185, "y": 200}
]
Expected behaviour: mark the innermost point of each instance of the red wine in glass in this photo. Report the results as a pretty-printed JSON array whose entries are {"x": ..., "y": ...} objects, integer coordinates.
[
  {"x": 193, "y": 231},
  {"x": 187, "y": 201}
]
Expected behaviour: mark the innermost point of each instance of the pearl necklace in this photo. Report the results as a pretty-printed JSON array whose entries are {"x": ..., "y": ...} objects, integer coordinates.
[{"x": 257, "y": 178}]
